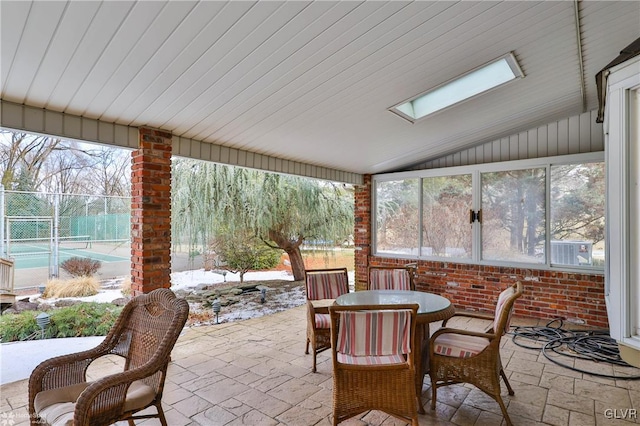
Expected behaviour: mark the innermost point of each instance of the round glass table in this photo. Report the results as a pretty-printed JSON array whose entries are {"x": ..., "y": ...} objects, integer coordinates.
[{"x": 432, "y": 307}]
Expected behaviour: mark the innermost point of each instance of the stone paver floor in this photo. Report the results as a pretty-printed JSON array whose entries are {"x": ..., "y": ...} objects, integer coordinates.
[{"x": 255, "y": 372}]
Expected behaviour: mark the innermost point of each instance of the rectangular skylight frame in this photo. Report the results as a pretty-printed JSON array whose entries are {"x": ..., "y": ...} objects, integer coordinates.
[{"x": 505, "y": 68}]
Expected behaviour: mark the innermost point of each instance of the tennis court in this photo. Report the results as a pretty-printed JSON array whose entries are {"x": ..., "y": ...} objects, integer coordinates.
[{"x": 33, "y": 254}]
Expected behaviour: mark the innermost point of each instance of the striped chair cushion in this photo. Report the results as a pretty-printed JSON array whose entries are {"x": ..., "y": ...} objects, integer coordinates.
[
  {"x": 459, "y": 346},
  {"x": 499, "y": 306},
  {"x": 374, "y": 333},
  {"x": 323, "y": 321},
  {"x": 389, "y": 279},
  {"x": 370, "y": 360},
  {"x": 327, "y": 285}
]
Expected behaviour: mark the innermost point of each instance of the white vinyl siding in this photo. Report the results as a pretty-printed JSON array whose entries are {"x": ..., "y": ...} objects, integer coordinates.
[{"x": 573, "y": 135}]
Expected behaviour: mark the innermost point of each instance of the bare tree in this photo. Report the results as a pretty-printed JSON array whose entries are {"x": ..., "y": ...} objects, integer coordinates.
[
  {"x": 40, "y": 163},
  {"x": 22, "y": 157}
]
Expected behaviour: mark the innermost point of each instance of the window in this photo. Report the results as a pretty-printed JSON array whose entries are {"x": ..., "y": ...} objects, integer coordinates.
[
  {"x": 397, "y": 217},
  {"x": 446, "y": 231},
  {"x": 577, "y": 214},
  {"x": 478, "y": 81},
  {"x": 513, "y": 222},
  {"x": 545, "y": 212}
]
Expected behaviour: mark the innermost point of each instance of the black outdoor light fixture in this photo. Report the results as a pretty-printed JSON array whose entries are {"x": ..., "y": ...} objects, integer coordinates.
[
  {"x": 216, "y": 309},
  {"x": 43, "y": 320}
]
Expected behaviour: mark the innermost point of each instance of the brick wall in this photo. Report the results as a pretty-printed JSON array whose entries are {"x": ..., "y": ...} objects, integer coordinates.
[
  {"x": 547, "y": 294},
  {"x": 362, "y": 231},
  {"x": 151, "y": 212}
]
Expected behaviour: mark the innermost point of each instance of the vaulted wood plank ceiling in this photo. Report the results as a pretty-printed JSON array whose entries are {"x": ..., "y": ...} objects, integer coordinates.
[{"x": 309, "y": 81}]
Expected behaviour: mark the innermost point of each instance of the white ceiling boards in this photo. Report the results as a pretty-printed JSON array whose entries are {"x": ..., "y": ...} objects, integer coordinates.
[{"x": 308, "y": 82}]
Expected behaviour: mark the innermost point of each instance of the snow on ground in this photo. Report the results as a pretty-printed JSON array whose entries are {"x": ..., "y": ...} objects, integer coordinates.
[
  {"x": 187, "y": 279},
  {"x": 249, "y": 306}
]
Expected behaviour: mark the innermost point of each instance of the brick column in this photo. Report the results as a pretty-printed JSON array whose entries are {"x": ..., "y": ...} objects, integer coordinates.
[
  {"x": 151, "y": 212},
  {"x": 362, "y": 232}
]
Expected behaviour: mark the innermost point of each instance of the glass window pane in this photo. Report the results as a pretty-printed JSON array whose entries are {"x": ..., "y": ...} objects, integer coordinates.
[
  {"x": 577, "y": 214},
  {"x": 446, "y": 231},
  {"x": 397, "y": 217},
  {"x": 513, "y": 216}
]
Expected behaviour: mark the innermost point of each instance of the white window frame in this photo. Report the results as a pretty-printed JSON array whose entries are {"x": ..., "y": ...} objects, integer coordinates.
[
  {"x": 622, "y": 276},
  {"x": 475, "y": 171}
]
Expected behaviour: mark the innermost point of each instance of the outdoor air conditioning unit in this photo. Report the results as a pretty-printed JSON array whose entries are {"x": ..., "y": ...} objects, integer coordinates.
[{"x": 572, "y": 253}]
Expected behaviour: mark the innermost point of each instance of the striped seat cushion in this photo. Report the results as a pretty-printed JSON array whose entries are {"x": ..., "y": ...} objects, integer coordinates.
[
  {"x": 323, "y": 321},
  {"x": 328, "y": 285},
  {"x": 389, "y": 279},
  {"x": 459, "y": 346},
  {"x": 371, "y": 360},
  {"x": 374, "y": 333}
]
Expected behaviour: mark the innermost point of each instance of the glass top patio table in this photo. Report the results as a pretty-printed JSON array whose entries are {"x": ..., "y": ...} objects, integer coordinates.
[{"x": 432, "y": 307}]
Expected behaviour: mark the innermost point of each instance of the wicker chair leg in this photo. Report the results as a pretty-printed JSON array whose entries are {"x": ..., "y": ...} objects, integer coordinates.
[
  {"x": 313, "y": 369},
  {"x": 306, "y": 351},
  {"x": 163, "y": 419},
  {"x": 506, "y": 382},
  {"x": 434, "y": 392},
  {"x": 507, "y": 419}
]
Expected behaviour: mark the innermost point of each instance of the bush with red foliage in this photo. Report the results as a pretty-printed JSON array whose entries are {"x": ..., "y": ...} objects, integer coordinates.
[{"x": 81, "y": 266}]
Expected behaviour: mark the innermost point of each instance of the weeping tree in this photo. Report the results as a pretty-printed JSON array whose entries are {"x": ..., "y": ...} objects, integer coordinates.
[{"x": 282, "y": 211}]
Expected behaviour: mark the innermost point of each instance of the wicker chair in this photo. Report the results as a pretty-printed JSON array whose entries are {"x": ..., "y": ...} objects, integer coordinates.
[
  {"x": 463, "y": 356},
  {"x": 323, "y": 286},
  {"x": 144, "y": 335},
  {"x": 374, "y": 362},
  {"x": 392, "y": 277}
]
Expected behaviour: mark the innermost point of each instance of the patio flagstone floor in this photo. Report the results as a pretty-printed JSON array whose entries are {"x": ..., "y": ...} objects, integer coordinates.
[{"x": 255, "y": 372}]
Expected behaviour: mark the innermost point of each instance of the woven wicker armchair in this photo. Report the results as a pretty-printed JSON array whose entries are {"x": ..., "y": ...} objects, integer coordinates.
[
  {"x": 463, "y": 356},
  {"x": 391, "y": 277},
  {"x": 323, "y": 287},
  {"x": 144, "y": 335},
  {"x": 374, "y": 363}
]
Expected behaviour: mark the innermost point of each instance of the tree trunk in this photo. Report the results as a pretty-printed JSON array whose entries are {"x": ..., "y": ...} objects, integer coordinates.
[
  {"x": 297, "y": 263},
  {"x": 292, "y": 248}
]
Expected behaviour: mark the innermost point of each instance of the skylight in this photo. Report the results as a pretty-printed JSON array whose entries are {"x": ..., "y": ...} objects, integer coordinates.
[{"x": 475, "y": 82}]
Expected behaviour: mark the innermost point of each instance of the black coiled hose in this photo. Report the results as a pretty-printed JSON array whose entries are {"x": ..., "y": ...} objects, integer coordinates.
[{"x": 589, "y": 345}]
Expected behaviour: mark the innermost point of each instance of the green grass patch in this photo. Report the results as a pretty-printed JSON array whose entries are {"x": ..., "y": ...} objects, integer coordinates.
[{"x": 83, "y": 319}]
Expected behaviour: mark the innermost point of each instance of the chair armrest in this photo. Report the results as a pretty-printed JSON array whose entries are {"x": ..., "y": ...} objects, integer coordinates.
[
  {"x": 63, "y": 370},
  {"x": 103, "y": 400},
  {"x": 447, "y": 330},
  {"x": 477, "y": 315},
  {"x": 313, "y": 308}
]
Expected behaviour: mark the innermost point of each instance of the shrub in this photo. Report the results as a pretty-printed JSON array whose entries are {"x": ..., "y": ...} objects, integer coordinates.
[
  {"x": 75, "y": 287},
  {"x": 84, "y": 319},
  {"x": 242, "y": 252},
  {"x": 81, "y": 266},
  {"x": 126, "y": 287},
  {"x": 18, "y": 326}
]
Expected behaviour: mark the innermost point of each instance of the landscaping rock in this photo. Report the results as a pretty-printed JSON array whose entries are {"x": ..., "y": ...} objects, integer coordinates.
[
  {"x": 121, "y": 301},
  {"x": 65, "y": 302}
]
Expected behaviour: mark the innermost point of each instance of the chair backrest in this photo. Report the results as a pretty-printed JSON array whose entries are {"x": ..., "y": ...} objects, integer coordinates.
[
  {"x": 504, "y": 308},
  {"x": 373, "y": 330},
  {"x": 326, "y": 283},
  {"x": 391, "y": 278},
  {"x": 147, "y": 329}
]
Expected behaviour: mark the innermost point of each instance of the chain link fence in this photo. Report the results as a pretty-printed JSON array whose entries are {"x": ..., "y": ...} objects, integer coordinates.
[{"x": 41, "y": 224}]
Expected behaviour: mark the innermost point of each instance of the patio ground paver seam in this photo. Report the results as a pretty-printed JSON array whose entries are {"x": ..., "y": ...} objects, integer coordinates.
[{"x": 238, "y": 374}]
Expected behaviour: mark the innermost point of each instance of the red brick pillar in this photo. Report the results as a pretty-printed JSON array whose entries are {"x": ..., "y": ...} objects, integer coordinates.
[
  {"x": 151, "y": 212},
  {"x": 362, "y": 231}
]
